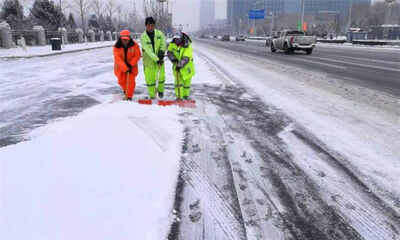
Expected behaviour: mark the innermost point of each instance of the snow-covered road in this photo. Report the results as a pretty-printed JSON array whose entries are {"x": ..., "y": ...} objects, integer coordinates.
[
  {"x": 270, "y": 152},
  {"x": 34, "y": 91},
  {"x": 309, "y": 156}
]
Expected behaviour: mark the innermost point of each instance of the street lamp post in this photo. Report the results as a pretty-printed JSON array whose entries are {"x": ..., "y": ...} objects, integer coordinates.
[
  {"x": 254, "y": 21},
  {"x": 302, "y": 12},
  {"x": 272, "y": 23},
  {"x": 350, "y": 12}
]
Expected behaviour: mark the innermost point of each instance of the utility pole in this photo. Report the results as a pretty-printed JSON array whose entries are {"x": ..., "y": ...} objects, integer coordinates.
[
  {"x": 255, "y": 3},
  {"x": 350, "y": 12},
  {"x": 272, "y": 23},
  {"x": 302, "y": 13}
]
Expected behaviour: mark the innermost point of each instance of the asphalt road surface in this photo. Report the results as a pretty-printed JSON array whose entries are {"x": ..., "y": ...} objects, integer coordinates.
[{"x": 372, "y": 67}]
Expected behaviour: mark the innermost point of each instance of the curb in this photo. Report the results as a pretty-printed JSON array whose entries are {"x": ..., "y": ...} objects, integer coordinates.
[{"x": 52, "y": 54}]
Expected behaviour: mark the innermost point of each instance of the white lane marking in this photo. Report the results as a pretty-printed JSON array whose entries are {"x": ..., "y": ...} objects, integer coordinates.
[
  {"x": 366, "y": 59},
  {"x": 357, "y": 48},
  {"x": 330, "y": 65},
  {"x": 357, "y": 64}
]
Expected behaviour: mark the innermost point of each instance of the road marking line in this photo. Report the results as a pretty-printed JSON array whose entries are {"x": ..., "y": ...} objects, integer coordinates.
[
  {"x": 330, "y": 65},
  {"x": 366, "y": 59},
  {"x": 357, "y": 64}
]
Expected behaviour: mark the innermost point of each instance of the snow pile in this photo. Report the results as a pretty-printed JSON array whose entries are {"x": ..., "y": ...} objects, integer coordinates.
[
  {"x": 46, "y": 50},
  {"x": 108, "y": 173}
]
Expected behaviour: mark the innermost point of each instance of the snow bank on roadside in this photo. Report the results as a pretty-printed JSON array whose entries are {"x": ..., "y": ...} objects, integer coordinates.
[
  {"x": 46, "y": 50},
  {"x": 107, "y": 173}
]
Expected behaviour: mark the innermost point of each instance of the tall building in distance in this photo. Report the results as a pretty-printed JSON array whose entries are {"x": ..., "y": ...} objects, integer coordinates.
[
  {"x": 292, "y": 6},
  {"x": 237, "y": 10},
  {"x": 312, "y": 7},
  {"x": 207, "y": 13}
]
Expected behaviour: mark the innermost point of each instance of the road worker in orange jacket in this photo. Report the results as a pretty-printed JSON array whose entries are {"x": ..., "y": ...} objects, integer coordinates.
[{"x": 126, "y": 56}]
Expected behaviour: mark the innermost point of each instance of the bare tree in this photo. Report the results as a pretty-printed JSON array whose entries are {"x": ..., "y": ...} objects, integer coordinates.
[
  {"x": 360, "y": 16},
  {"x": 98, "y": 7},
  {"x": 394, "y": 13},
  {"x": 378, "y": 13},
  {"x": 83, "y": 7},
  {"x": 157, "y": 11},
  {"x": 111, "y": 7},
  {"x": 120, "y": 15},
  {"x": 377, "y": 18},
  {"x": 133, "y": 17},
  {"x": 63, "y": 5}
]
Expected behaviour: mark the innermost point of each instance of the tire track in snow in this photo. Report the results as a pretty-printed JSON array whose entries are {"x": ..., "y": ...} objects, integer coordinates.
[
  {"x": 372, "y": 217},
  {"x": 213, "y": 199},
  {"x": 279, "y": 169},
  {"x": 379, "y": 228}
]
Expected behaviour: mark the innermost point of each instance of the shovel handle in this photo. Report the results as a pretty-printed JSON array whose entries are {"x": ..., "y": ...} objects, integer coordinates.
[
  {"x": 127, "y": 84},
  {"x": 179, "y": 88}
]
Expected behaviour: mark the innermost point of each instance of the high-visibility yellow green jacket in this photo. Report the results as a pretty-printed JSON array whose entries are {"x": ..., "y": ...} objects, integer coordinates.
[
  {"x": 150, "y": 55},
  {"x": 183, "y": 57}
]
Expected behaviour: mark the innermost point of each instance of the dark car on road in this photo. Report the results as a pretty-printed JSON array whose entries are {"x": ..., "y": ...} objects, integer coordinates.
[{"x": 226, "y": 38}]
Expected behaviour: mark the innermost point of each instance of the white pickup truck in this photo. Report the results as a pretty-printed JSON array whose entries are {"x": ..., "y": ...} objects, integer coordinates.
[{"x": 293, "y": 40}]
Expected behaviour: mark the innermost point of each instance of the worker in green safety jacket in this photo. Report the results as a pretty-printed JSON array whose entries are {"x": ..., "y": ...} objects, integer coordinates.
[
  {"x": 181, "y": 55},
  {"x": 153, "y": 51}
]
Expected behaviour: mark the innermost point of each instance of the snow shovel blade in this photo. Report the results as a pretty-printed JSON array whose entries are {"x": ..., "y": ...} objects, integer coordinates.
[
  {"x": 145, "y": 101},
  {"x": 182, "y": 103}
]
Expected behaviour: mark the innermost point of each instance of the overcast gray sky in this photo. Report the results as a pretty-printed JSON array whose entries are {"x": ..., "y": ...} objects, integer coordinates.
[{"x": 188, "y": 12}]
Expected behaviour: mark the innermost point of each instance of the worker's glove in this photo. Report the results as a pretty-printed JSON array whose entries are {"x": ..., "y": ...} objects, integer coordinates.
[
  {"x": 160, "y": 62},
  {"x": 182, "y": 63},
  {"x": 177, "y": 68}
]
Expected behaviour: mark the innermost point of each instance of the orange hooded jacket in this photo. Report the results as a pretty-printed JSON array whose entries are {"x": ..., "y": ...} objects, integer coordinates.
[{"x": 120, "y": 60}]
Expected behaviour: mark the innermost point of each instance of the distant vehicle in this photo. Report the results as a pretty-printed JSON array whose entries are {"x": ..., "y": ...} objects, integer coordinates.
[
  {"x": 226, "y": 38},
  {"x": 293, "y": 40},
  {"x": 204, "y": 36},
  {"x": 240, "y": 37},
  {"x": 215, "y": 36},
  {"x": 269, "y": 39}
]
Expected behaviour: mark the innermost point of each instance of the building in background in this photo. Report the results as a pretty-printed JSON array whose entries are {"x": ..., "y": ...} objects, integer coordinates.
[
  {"x": 312, "y": 7},
  {"x": 292, "y": 6},
  {"x": 237, "y": 11},
  {"x": 277, "y": 7},
  {"x": 207, "y": 13}
]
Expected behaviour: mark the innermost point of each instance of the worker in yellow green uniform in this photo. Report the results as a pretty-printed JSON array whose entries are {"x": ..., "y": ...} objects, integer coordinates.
[
  {"x": 181, "y": 55},
  {"x": 153, "y": 51}
]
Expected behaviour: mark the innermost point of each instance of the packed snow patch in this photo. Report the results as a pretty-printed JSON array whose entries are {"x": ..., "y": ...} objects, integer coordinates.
[{"x": 107, "y": 173}]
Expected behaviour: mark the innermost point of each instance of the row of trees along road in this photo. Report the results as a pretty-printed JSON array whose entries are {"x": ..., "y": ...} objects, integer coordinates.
[{"x": 98, "y": 15}]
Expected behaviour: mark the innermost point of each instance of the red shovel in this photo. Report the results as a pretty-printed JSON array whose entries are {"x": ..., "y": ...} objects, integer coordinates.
[{"x": 180, "y": 103}]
